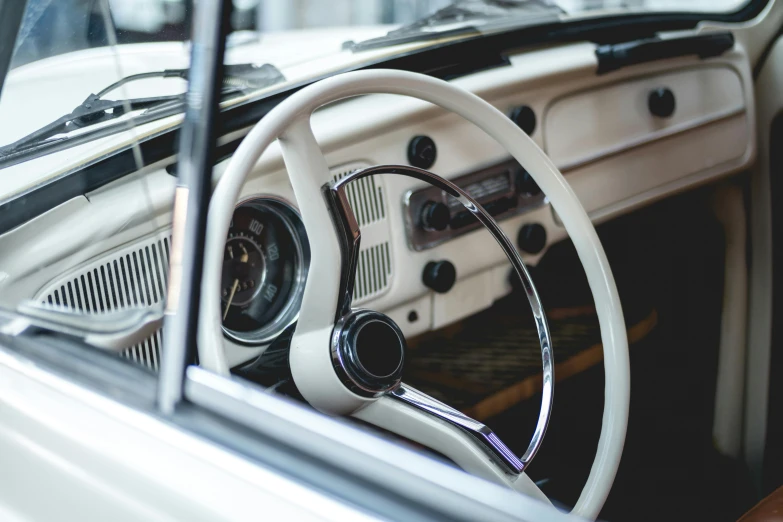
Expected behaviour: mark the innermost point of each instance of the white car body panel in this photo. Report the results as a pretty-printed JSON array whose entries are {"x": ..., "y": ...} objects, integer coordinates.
[{"x": 75, "y": 455}]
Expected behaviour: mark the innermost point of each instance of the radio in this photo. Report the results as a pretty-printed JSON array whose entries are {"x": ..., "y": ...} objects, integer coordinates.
[{"x": 504, "y": 190}]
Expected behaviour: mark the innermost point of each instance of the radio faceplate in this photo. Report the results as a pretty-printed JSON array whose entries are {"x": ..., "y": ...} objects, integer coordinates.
[{"x": 504, "y": 190}]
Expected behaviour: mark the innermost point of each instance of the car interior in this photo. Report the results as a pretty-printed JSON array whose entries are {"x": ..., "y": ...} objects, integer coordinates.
[{"x": 453, "y": 234}]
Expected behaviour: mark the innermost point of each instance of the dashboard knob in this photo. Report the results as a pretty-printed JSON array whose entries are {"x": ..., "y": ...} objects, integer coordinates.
[
  {"x": 525, "y": 118},
  {"x": 439, "y": 276},
  {"x": 422, "y": 152},
  {"x": 661, "y": 102},
  {"x": 532, "y": 238},
  {"x": 526, "y": 184},
  {"x": 434, "y": 216}
]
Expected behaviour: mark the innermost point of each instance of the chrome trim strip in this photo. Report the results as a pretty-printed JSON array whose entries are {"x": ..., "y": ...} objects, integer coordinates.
[{"x": 349, "y": 236}]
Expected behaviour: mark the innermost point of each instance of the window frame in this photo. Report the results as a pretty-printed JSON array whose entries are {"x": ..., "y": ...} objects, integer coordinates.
[{"x": 343, "y": 461}]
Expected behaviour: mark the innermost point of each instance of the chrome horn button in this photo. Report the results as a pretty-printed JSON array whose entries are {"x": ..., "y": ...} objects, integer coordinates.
[{"x": 368, "y": 351}]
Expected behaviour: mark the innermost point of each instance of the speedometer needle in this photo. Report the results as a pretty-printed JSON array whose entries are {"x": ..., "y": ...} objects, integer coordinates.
[{"x": 231, "y": 298}]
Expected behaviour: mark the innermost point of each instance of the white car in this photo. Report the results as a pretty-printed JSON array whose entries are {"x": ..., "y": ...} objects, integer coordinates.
[{"x": 334, "y": 271}]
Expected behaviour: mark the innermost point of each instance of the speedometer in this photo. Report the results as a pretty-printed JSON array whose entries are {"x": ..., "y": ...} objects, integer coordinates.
[{"x": 265, "y": 263}]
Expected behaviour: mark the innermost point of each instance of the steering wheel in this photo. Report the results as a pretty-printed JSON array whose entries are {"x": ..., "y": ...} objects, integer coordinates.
[{"x": 349, "y": 362}]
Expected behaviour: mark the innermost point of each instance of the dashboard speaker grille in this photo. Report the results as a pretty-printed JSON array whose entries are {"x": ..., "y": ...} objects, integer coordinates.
[
  {"x": 368, "y": 201},
  {"x": 373, "y": 274},
  {"x": 366, "y": 198},
  {"x": 133, "y": 276}
]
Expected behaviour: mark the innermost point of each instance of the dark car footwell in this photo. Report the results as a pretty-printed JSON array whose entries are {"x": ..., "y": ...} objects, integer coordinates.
[{"x": 671, "y": 288}]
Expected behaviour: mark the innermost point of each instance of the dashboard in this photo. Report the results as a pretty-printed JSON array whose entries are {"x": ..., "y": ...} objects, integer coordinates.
[{"x": 622, "y": 139}]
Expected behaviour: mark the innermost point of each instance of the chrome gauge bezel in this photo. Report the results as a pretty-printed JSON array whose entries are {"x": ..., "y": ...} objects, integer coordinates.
[{"x": 289, "y": 314}]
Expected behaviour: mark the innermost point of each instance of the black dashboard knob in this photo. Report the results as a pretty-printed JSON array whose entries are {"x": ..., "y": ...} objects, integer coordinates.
[
  {"x": 661, "y": 102},
  {"x": 422, "y": 152},
  {"x": 434, "y": 216},
  {"x": 439, "y": 276},
  {"x": 525, "y": 118},
  {"x": 532, "y": 238},
  {"x": 526, "y": 184}
]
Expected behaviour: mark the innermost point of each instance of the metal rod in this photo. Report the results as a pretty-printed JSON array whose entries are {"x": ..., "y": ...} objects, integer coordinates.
[{"x": 196, "y": 154}]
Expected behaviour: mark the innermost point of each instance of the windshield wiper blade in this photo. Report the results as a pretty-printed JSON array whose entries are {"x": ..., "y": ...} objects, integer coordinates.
[
  {"x": 463, "y": 17},
  {"x": 94, "y": 109},
  {"x": 90, "y": 112}
]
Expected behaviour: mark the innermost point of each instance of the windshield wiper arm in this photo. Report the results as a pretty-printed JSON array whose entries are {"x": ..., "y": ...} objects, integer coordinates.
[
  {"x": 463, "y": 17},
  {"x": 95, "y": 109},
  {"x": 90, "y": 112},
  {"x": 239, "y": 75}
]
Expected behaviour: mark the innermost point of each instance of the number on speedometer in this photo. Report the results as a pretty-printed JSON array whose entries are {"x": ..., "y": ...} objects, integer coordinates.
[{"x": 264, "y": 264}]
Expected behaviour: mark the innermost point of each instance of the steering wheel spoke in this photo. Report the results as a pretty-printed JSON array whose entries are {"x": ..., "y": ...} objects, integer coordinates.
[
  {"x": 302, "y": 154},
  {"x": 483, "y": 434},
  {"x": 470, "y": 444}
]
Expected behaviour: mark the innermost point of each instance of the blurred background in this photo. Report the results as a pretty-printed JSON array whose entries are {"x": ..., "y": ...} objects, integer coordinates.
[{"x": 57, "y": 26}]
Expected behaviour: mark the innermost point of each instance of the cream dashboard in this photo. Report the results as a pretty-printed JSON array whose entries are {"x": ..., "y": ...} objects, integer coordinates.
[{"x": 623, "y": 139}]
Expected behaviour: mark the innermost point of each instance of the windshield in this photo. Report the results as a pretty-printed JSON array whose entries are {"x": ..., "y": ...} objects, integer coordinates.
[{"x": 80, "y": 67}]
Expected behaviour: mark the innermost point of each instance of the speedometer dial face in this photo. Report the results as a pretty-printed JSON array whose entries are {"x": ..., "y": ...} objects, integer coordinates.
[
  {"x": 244, "y": 269},
  {"x": 264, "y": 267}
]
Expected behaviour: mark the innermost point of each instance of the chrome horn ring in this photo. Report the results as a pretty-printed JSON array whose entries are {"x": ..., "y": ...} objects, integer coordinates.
[{"x": 349, "y": 235}]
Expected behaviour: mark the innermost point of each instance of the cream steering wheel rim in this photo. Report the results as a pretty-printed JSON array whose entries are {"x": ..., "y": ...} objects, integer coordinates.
[{"x": 308, "y": 172}]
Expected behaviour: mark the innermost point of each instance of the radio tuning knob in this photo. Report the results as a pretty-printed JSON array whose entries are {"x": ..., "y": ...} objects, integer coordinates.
[
  {"x": 434, "y": 216},
  {"x": 526, "y": 184},
  {"x": 532, "y": 238}
]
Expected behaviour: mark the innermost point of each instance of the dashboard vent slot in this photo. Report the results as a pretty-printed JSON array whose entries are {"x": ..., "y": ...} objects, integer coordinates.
[
  {"x": 373, "y": 274},
  {"x": 133, "y": 276},
  {"x": 368, "y": 200}
]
